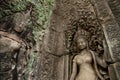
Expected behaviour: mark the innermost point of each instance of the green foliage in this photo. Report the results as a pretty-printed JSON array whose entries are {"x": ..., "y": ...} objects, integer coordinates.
[
  {"x": 44, "y": 10},
  {"x": 40, "y": 13},
  {"x": 18, "y": 5},
  {"x": 30, "y": 65},
  {"x": 12, "y": 6},
  {"x": 39, "y": 20}
]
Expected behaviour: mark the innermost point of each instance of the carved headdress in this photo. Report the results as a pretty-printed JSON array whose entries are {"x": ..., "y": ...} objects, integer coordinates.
[
  {"x": 79, "y": 34},
  {"x": 92, "y": 32}
]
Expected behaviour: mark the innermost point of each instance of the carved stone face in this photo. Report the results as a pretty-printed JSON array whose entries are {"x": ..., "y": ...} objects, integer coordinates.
[{"x": 81, "y": 43}]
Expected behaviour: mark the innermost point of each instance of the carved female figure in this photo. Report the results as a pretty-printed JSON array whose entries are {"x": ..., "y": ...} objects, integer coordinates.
[{"x": 84, "y": 63}]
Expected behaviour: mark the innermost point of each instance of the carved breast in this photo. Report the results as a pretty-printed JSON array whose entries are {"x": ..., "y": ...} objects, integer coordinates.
[{"x": 84, "y": 58}]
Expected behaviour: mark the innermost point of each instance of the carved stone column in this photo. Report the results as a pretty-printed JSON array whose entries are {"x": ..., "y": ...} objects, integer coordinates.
[{"x": 112, "y": 36}]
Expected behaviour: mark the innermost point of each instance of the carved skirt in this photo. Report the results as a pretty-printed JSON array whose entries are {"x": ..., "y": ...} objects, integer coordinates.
[{"x": 86, "y": 75}]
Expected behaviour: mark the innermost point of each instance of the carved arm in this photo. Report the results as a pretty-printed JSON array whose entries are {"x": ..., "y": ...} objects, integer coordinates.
[{"x": 74, "y": 69}]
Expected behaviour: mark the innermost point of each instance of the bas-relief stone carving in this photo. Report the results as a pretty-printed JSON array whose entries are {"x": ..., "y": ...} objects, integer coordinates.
[
  {"x": 81, "y": 18},
  {"x": 14, "y": 48},
  {"x": 87, "y": 25},
  {"x": 84, "y": 62},
  {"x": 70, "y": 20}
]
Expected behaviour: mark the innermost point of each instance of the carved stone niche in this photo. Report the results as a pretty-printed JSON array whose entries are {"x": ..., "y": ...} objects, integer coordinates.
[{"x": 70, "y": 16}]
